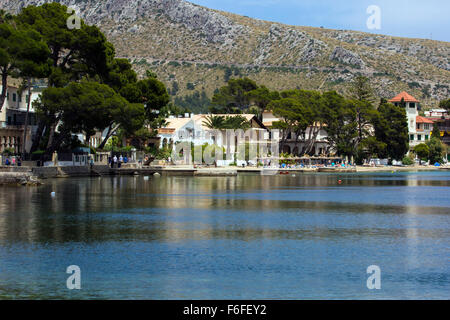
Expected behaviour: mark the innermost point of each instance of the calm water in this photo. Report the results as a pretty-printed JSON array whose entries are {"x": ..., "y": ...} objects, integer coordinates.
[{"x": 246, "y": 237}]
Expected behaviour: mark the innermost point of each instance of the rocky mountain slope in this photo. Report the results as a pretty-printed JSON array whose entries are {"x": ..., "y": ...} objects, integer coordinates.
[{"x": 193, "y": 48}]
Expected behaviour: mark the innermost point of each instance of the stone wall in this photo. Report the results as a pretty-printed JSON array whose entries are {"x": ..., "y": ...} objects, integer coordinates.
[
  {"x": 45, "y": 172},
  {"x": 17, "y": 178}
]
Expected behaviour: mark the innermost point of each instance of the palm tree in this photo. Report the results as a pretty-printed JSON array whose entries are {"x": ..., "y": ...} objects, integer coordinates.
[
  {"x": 214, "y": 122},
  {"x": 237, "y": 122}
]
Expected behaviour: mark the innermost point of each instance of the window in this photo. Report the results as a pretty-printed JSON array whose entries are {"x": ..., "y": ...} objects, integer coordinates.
[
  {"x": 14, "y": 97},
  {"x": 411, "y": 137},
  {"x": 27, "y": 99},
  {"x": 20, "y": 98},
  {"x": 412, "y": 105},
  {"x": 426, "y": 137},
  {"x": 426, "y": 126},
  {"x": 419, "y": 137}
]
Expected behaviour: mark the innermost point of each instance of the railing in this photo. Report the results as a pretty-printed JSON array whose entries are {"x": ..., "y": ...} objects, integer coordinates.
[{"x": 5, "y": 125}]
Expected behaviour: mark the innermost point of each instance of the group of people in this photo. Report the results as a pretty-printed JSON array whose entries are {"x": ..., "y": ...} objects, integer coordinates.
[
  {"x": 14, "y": 161},
  {"x": 115, "y": 162}
]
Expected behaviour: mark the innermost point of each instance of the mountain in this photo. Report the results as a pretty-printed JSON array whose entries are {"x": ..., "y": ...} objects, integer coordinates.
[{"x": 193, "y": 48}]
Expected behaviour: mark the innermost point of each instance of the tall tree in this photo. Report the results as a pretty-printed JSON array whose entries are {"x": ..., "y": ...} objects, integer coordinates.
[
  {"x": 292, "y": 118},
  {"x": 313, "y": 112},
  {"x": 120, "y": 74},
  {"x": 86, "y": 107},
  {"x": 391, "y": 128},
  {"x": 75, "y": 53},
  {"x": 437, "y": 150},
  {"x": 340, "y": 124},
  {"x": 361, "y": 89},
  {"x": 22, "y": 53},
  {"x": 445, "y": 104},
  {"x": 362, "y": 95},
  {"x": 233, "y": 98},
  {"x": 261, "y": 97}
]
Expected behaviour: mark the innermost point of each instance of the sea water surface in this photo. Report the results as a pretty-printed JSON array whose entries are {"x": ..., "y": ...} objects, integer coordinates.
[{"x": 302, "y": 236}]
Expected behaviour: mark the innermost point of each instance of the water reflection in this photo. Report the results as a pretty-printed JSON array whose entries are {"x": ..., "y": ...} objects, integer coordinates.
[
  {"x": 102, "y": 209},
  {"x": 223, "y": 230}
]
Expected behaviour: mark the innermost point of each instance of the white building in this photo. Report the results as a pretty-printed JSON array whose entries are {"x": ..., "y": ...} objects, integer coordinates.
[
  {"x": 296, "y": 145},
  {"x": 436, "y": 113},
  {"x": 13, "y": 114},
  {"x": 192, "y": 129},
  {"x": 419, "y": 127}
]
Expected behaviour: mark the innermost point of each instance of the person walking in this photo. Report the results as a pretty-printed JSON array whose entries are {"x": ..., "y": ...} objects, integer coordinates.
[
  {"x": 115, "y": 162},
  {"x": 13, "y": 161},
  {"x": 120, "y": 161}
]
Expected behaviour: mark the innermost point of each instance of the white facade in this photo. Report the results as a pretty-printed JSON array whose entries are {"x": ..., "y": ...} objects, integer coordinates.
[
  {"x": 13, "y": 115},
  {"x": 192, "y": 129},
  {"x": 295, "y": 145},
  {"x": 424, "y": 127},
  {"x": 437, "y": 113},
  {"x": 419, "y": 128},
  {"x": 182, "y": 130}
]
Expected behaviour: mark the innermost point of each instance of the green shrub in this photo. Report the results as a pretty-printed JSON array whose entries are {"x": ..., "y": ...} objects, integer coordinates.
[
  {"x": 9, "y": 151},
  {"x": 407, "y": 161}
]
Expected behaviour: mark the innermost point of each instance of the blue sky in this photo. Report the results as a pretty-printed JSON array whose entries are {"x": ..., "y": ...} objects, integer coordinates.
[{"x": 404, "y": 18}]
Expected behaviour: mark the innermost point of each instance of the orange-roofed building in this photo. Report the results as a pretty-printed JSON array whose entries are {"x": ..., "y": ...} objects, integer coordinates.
[
  {"x": 405, "y": 96},
  {"x": 424, "y": 127},
  {"x": 419, "y": 127}
]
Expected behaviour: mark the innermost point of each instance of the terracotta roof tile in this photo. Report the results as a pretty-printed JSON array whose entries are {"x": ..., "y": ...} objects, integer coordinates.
[
  {"x": 404, "y": 95},
  {"x": 420, "y": 119}
]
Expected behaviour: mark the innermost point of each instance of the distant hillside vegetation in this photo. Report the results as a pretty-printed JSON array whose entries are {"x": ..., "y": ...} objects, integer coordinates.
[{"x": 195, "y": 49}]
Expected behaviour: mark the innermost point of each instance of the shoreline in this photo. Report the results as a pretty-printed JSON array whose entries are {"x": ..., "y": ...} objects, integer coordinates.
[
  {"x": 403, "y": 169},
  {"x": 21, "y": 175}
]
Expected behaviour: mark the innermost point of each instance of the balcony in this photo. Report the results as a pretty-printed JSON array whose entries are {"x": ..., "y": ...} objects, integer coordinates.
[{"x": 6, "y": 126}]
